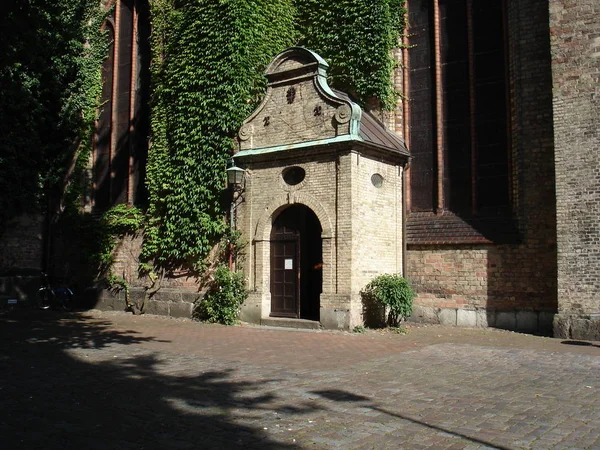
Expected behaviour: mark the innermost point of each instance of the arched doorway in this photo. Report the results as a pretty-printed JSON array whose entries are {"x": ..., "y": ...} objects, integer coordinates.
[{"x": 296, "y": 264}]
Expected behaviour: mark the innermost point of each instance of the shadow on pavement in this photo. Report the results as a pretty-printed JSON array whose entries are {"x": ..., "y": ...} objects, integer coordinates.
[
  {"x": 580, "y": 343},
  {"x": 343, "y": 396},
  {"x": 52, "y": 397}
]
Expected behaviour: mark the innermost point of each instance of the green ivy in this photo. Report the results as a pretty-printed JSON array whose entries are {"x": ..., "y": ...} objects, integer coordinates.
[
  {"x": 356, "y": 37},
  {"x": 92, "y": 243},
  {"x": 119, "y": 221},
  {"x": 207, "y": 77},
  {"x": 51, "y": 54},
  {"x": 98, "y": 236},
  {"x": 208, "y": 60}
]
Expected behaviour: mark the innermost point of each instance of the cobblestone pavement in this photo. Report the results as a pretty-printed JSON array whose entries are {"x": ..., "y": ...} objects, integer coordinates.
[{"x": 99, "y": 380}]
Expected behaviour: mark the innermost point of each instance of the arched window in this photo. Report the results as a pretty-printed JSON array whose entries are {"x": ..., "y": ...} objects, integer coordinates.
[
  {"x": 102, "y": 147},
  {"x": 458, "y": 107},
  {"x": 121, "y": 145}
]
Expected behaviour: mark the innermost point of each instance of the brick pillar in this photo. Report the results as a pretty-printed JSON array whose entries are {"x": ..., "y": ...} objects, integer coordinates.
[{"x": 575, "y": 47}]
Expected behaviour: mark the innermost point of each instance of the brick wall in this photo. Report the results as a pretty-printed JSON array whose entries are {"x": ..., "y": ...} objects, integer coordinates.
[
  {"x": 266, "y": 193},
  {"x": 376, "y": 220},
  {"x": 376, "y": 214},
  {"x": 265, "y": 196},
  {"x": 21, "y": 258},
  {"x": 21, "y": 245},
  {"x": 486, "y": 285},
  {"x": 362, "y": 234},
  {"x": 175, "y": 297},
  {"x": 510, "y": 285},
  {"x": 575, "y": 39}
]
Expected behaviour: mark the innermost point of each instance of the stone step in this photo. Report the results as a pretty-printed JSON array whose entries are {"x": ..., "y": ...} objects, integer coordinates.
[{"x": 291, "y": 323}]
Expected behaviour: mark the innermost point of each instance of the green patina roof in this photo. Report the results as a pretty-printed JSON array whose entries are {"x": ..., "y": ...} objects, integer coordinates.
[{"x": 364, "y": 127}]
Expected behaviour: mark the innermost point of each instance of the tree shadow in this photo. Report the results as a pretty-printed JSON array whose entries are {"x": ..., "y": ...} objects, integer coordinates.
[
  {"x": 348, "y": 397},
  {"x": 580, "y": 343},
  {"x": 57, "y": 395}
]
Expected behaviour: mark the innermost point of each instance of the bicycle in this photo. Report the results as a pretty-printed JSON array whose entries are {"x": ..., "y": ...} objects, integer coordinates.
[{"x": 54, "y": 297}]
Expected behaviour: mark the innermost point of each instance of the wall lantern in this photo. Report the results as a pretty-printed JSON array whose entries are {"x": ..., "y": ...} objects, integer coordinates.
[
  {"x": 235, "y": 178},
  {"x": 235, "y": 175}
]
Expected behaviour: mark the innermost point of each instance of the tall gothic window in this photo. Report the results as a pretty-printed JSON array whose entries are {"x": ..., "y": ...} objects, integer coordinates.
[
  {"x": 102, "y": 144},
  {"x": 458, "y": 126},
  {"x": 120, "y": 147}
]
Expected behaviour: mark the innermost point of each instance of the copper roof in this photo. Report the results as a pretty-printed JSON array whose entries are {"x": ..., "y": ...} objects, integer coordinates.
[{"x": 374, "y": 132}]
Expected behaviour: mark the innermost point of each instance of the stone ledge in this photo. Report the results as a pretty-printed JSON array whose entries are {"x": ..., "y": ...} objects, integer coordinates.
[
  {"x": 539, "y": 322},
  {"x": 173, "y": 302},
  {"x": 290, "y": 323},
  {"x": 582, "y": 327}
]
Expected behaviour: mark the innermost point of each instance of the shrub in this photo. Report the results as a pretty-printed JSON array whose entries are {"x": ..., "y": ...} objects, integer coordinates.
[
  {"x": 222, "y": 302},
  {"x": 392, "y": 292}
]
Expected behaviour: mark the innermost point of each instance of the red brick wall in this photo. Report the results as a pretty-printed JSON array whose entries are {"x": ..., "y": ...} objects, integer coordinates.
[
  {"x": 127, "y": 262},
  {"x": 519, "y": 276},
  {"x": 21, "y": 244},
  {"x": 476, "y": 277}
]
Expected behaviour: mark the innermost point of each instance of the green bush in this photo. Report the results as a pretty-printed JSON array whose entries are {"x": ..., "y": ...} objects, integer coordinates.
[
  {"x": 392, "y": 292},
  {"x": 222, "y": 302}
]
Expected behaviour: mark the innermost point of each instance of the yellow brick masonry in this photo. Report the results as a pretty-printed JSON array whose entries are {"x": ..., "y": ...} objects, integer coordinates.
[{"x": 361, "y": 232}]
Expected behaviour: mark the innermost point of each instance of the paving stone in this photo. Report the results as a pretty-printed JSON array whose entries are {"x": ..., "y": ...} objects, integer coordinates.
[{"x": 113, "y": 380}]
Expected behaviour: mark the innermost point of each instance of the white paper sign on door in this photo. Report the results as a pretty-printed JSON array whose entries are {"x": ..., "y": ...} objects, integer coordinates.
[{"x": 289, "y": 264}]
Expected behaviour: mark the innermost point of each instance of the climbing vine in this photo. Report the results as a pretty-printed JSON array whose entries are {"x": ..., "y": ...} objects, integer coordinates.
[
  {"x": 208, "y": 59},
  {"x": 356, "y": 37},
  {"x": 207, "y": 77},
  {"x": 50, "y": 72},
  {"x": 207, "y": 63}
]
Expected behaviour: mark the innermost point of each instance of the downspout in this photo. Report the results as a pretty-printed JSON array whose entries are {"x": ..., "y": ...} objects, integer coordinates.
[
  {"x": 404, "y": 216},
  {"x": 231, "y": 224},
  {"x": 405, "y": 135}
]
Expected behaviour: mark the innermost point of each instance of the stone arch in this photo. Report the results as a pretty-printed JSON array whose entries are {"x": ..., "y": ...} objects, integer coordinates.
[{"x": 263, "y": 230}]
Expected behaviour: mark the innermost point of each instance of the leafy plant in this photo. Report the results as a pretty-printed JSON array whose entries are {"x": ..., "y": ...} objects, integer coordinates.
[
  {"x": 356, "y": 37},
  {"x": 116, "y": 223},
  {"x": 123, "y": 219},
  {"x": 51, "y": 57},
  {"x": 207, "y": 78},
  {"x": 222, "y": 301},
  {"x": 359, "y": 329},
  {"x": 392, "y": 292}
]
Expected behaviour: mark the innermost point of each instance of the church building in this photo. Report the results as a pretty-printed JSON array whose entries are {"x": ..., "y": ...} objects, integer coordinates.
[{"x": 482, "y": 187}]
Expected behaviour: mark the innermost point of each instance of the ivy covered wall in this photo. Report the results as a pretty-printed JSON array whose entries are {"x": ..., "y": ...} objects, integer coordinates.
[
  {"x": 50, "y": 77},
  {"x": 206, "y": 78},
  {"x": 208, "y": 59},
  {"x": 356, "y": 37}
]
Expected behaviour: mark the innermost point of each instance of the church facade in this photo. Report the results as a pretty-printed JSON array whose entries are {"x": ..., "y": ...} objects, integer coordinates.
[
  {"x": 494, "y": 201},
  {"x": 321, "y": 200},
  {"x": 502, "y": 124}
]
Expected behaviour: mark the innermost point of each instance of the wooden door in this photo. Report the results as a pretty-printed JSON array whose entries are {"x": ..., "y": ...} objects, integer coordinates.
[
  {"x": 285, "y": 277},
  {"x": 296, "y": 260}
]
